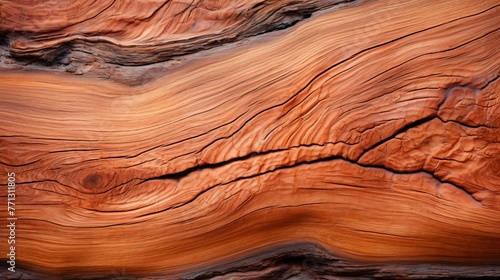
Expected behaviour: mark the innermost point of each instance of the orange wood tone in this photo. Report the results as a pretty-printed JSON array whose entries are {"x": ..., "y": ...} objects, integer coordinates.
[{"x": 163, "y": 137}]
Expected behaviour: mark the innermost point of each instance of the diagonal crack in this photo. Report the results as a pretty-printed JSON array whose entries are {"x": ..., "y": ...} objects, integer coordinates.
[{"x": 178, "y": 176}]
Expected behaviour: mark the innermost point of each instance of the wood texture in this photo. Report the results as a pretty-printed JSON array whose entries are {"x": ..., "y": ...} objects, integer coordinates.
[{"x": 252, "y": 139}]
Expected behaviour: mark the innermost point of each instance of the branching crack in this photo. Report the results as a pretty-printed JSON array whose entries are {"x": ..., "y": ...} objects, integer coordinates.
[{"x": 178, "y": 176}]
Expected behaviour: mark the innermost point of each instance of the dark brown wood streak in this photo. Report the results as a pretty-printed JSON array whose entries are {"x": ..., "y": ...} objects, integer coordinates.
[{"x": 256, "y": 139}]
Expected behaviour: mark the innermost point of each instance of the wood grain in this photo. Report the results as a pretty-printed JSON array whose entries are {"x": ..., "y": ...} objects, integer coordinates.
[{"x": 210, "y": 139}]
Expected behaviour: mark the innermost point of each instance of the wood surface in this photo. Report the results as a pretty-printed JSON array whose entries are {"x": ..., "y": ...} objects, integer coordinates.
[{"x": 251, "y": 139}]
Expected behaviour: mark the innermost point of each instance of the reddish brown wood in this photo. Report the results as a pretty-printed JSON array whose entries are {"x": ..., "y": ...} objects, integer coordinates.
[{"x": 251, "y": 139}]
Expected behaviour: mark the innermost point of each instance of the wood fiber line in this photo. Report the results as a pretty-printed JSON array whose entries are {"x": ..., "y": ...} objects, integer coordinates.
[{"x": 210, "y": 139}]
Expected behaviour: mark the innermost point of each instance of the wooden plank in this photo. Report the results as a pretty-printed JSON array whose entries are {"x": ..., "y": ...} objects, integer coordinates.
[{"x": 250, "y": 139}]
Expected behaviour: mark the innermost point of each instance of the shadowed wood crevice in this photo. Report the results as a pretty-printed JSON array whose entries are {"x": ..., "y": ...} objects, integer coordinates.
[
  {"x": 28, "y": 46},
  {"x": 304, "y": 261},
  {"x": 310, "y": 261}
]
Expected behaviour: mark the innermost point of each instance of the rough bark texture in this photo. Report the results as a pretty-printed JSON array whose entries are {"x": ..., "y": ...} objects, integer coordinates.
[{"x": 251, "y": 139}]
